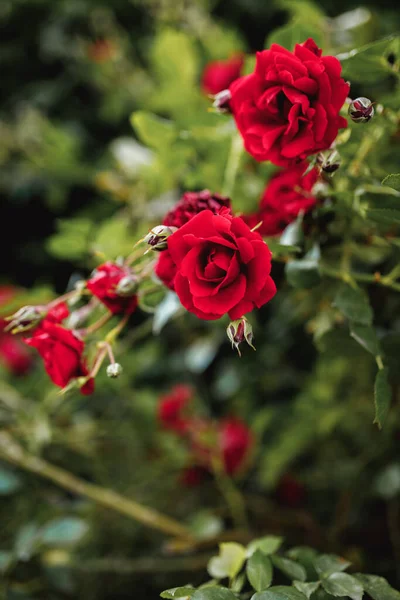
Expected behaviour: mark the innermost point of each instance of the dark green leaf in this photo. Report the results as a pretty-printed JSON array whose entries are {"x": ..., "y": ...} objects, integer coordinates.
[
  {"x": 307, "y": 588},
  {"x": 377, "y": 587},
  {"x": 178, "y": 592},
  {"x": 342, "y": 584},
  {"x": 326, "y": 564},
  {"x": 259, "y": 571},
  {"x": 387, "y": 216},
  {"x": 214, "y": 593},
  {"x": 306, "y": 557},
  {"x": 366, "y": 336},
  {"x": 369, "y": 63},
  {"x": 392, "y": 181},
  {"x": 279, "y": 592},
  {"x": 383, "y": 395},
  {"x": 302, "y": 273},
  {"x": 267, "y": 545},
  {"x": 354, "y": 304},
  {"x": 153, "y": 130},
  {"x": 290, "y": 568},
  {"x": 278, "y": 249},
  {"x": 294, "y": 33}
]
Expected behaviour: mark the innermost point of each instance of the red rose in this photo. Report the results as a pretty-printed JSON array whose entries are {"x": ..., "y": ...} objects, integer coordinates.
[
  {"x": 219, "y": 74},
  {"x": 13, "y": 353},
  {"x": 171, "y": 407},
  {"x": 289, "y": 107},
  {"x": 191, "y": 203},
  {"x": 287, "y": 193},
  {"x": 114, "y": 286},
  {"x": 221, "y": 266},
  {"x": 235, "y": 442},
  {"x": 62, "y": 352}
]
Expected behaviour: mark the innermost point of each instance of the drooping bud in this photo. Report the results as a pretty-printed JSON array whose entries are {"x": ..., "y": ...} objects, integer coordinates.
[
  {"x": 114, "y": 370},
  {"x": 157, "y": 237},
  {"x": 25, "y": 318},
  {"x": 239, "y": 331},
  {"x": 221, "y": 101},
  {"x": 329, "y": 161},
  {"x": 127, "y": 286},
  {"x": 361, "y": 110}
]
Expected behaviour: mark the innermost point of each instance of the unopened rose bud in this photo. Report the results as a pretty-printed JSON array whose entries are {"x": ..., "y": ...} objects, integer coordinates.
[
  {"x": 329, "y": 161},
  {"x": 239, "y": 331},
  {"x": 361, "y": 110},
  {"x": 25, "y": 318},
  {"x": 127, "y": 286},
  {"x": 157, "y": 237},
  {"x": 114, "y": 370},
  {"x": 221, "y": 101}
]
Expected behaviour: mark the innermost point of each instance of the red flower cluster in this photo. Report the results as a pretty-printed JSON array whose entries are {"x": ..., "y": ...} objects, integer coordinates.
[
  {"x": 13, "y": 354},
  {"x": 219, "y": 74},
  {"x": 287, "y": 193},
  {"x": 230, "y": 439},
  {"x": 114, "y": 286},
  {"x": 61, "y": 349},
  {"x": 191, "y": 203},
  {"x": 289, "y": 107}
]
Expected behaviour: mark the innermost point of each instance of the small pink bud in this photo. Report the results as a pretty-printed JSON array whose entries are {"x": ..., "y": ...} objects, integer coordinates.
[
  {"x": 239, "y": 331},
  {"x": 361, "y": 110}
]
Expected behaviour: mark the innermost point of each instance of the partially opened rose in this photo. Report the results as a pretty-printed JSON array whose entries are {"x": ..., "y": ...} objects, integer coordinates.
[
  {"x": 289, "y": 107},
  {"x": 219, "y": 74},
  {"x": 222, "y": 267}
]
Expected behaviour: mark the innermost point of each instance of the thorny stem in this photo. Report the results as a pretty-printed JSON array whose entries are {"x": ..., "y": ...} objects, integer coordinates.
[
  {"x": 362, "y": 277},
  {"x": 232, "y": 165},
  {"x": 12, "y": 452},
  {"x": 230, "y": 492}
]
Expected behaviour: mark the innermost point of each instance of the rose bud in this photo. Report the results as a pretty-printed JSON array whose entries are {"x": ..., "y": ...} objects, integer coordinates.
[
  {"x": 115, "y": 287},
  {"x": 240, "y": 331},
  {"x": 127, "y": 286},
  {"x": 219, "y": 74},
  {"x": 114, "y": 370},
  {"x": 361, "y": 110},
  {"x": 221, "y": 101},
  {"x": 329, "y": 161},
  {"x": 25, "y": 318},
  {"x": 157, "y": 237}
]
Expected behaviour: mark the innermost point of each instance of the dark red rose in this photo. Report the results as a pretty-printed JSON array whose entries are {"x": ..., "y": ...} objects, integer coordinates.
[
  {"x": 172, "y": 406},
  {"x": 289, "y": 107},
  {"x": 221, "y": 266},
  {"x": 290, "y": 491},
  {"x": 287, "y": 193},
  {"x": 114, "y": 286},
  {"x": 235, "y": 440},
  {"x": 13, "y": 353},
  {"x": 191, "y": 203},
  {"x": 219, "y": 74},
  {"x": 62, "y": 353}
]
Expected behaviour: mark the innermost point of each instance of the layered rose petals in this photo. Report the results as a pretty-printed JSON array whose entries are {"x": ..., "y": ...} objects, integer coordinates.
[
  {"x": 191, "y": 203},
  {"x": 289, "y": 107},
  {"x": 104, "y": 284}
]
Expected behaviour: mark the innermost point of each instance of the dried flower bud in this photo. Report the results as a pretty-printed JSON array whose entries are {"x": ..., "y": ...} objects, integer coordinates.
[
  {"x": 25, "y": 318},
  {"x": 221, "y": 101},
  {"x": 127, "y": 286},
  {"x": 329, "y": 161},
  {"x": 361, "y": 110},
  {"x": 239, "y": 331},
  {"x": 114, "y": 370},
  {"x": 157, "y": 237}
]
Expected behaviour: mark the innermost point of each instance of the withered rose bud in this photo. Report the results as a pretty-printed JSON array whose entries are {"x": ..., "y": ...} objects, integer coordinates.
[
  {"x": 114, "y": 370},
  {"x": 221, "y": 101},
  {"x": 361, "y": 110},
  {"x": 127, "y": 286},
  {"x": 25, "y": 318},
  {"x": 157, "y": 237},
  {"x": 329, "y": 161},
  {"x": 239, "y": 331}
]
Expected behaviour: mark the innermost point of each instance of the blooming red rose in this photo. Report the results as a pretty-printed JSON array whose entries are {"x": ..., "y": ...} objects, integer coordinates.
[
  {"x": 114, "y": 286},
  {"x": 219, "y": 74},
  {"x": 221, "y": 266},
  {"x": 287, "y": 193},
  {"x": 191, "y": 203},
  {"x": 289, "y": 107},
  {"x": 62, "y": 352},
  {"x": 235, "y": 440},
  {"x": 171, "y": 407}
]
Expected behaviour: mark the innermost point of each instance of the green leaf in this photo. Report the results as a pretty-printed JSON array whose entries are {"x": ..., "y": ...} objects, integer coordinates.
[
  {"x": 71, "y": 240},
  {"x": 113, "y": 238},
  {"x": 6, "y": 560},
  {"x": 392, "y": 181},
  {"x": 306, "y": 557},
  {"x": 387, "y": 216},
  {"x": 326, "y": 564},
  {"x": 153, "y": 130},
  {"x": 290, "y": 568},
  {"x": 388, "y": 481},
  {"x": 267, "y": 545},
  {"x": 168, "y": 308},
  {"x": 278, "y": 249},
  {"x": 377, "y": 587},
  {"x": 229, "y": 561},
  {"x": 307, "y": 588},
  {"x": 366, "y": 336},
  {"x": 279, "y": 592},
  {"x": 259, "y": 571},
  {"x": 383, "y": 395},
  {"x": 9, "y": 482},
  {"x": 354, "y": 304},
  {"x": 342, "y": 584},
  {"x": 302, "y": 273},
  {"x": 206, "y": 524},
  {"x": 214, "y": 593},
  {"x": 26, "y": 541},
  {"x": 293, "y": 234},
  {"x": 63, "y": 531},
  {"x": 294, "y": 33},
  {"x": 370, "y": 62},
  {"x": 178, "y": 592}
]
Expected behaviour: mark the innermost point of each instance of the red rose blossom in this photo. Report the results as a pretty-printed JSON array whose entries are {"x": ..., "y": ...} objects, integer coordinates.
[
  {"x": 165, "y": 269},
  {"x": 235, "y": 440},
  {"x": 171, "y": 407},
  {"x": 289, "y": 107},
  {"x": 191, "y": 203},
  {"x": 287, "y": 193},
  {"x": 13, "y": 354},
  {"x": 61, "y": 350},
  {"x": 219, "y": 74},
  {"x": 221, "y": 266},
  {"x": 103, "y": 284}
]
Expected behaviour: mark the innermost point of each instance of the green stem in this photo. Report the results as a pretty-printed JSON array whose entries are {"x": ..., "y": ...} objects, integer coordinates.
[
  {"x": 362, "y": 277},
  {"x": 232, "y": 165},
  {"x": 12, "y": 452},
  {"x": 230, "y": 492}
]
